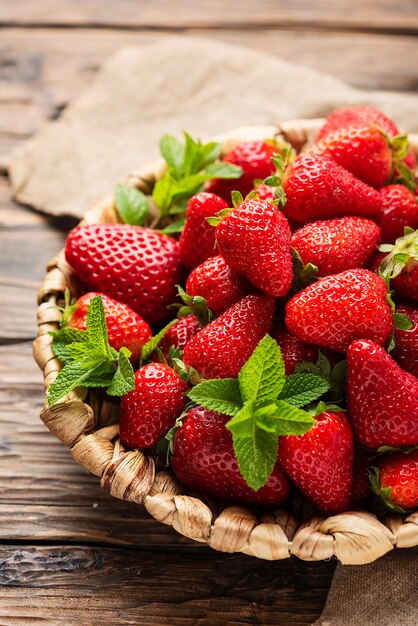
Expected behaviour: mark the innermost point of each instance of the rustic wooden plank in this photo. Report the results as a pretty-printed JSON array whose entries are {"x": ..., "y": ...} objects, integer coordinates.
[
  {"x": 95, "y": 585},
  {"x": 208, "y": 13}
]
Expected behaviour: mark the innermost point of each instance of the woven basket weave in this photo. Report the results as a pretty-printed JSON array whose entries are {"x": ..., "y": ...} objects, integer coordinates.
[{"x": 87, "y": 423}]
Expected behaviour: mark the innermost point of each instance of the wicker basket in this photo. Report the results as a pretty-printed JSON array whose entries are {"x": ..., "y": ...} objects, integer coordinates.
[{"x": 88, "y": 424}]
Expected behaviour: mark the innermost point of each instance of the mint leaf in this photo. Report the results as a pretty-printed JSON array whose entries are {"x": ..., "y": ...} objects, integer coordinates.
[
  {"x": 149, "y": 347},
  {"x": 301, "y": 389},
  {"x": 176, "y": 226},
  {"x": 70, "y": 377},
  {"x": 262, "y": 377},
  {"x": 96, "y": 325},
  {"x": 281, "y": 418},
  {"x": 220, "y": 395},
  {"x": 209, "y": 152},
  {"x": 172, "y": 151},
  {"x": 256, "y": 456},
  {"x": 62, "y": 338},
  {"x": 131, "y": 204},
  {"x": 162, "y": 193},
  {"x": 223, "y": 170},
  {"x": 124, "y": 380}
]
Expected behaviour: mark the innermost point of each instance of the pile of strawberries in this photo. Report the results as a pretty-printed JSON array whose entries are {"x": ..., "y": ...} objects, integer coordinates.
[{"x": 293, "y": 360}]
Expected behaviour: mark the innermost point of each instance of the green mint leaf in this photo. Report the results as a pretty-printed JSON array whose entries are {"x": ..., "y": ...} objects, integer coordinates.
[
  {"x": 176, "y": 226},
  {"x": 281, "y": 418},
  {"x": 86, "y": 354},
  {"x": 131, "y": 204},
  {"x": 162, "y": 193},
  {"x": 209, "y": 152},
  {"x": 62, "y": 338},
  {"x": 70, "y": 377},
  {"x": 403, "y": 322},
  {"x": 123, "y": 381},
  {"x": 96, "y": 326},
  {"x": 338, "y": 380},
  {"x": 323, "y": 366},
  {"x": 223, "y": 170},
  {"x": 173, "y": 152},
  {"x": 220, "y": 395},
  {"x": 262, "y": 377},
  {"x": 301, "y": 389},
  {"x": 192, "y": 155},
  {"x": 255, "y": 448},
  {"x": 149, "y": 347}
]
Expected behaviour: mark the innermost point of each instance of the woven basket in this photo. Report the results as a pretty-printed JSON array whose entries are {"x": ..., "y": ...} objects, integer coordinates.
[{"x": 87, "y": 423}]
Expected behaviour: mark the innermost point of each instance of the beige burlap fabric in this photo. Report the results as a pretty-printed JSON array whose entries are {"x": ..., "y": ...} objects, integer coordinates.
[{"x": 205, "y": 87}]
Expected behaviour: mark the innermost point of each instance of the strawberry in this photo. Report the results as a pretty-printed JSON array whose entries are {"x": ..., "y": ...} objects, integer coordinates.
[
  {"x": 399, "y": 209},
  {"x": 134, "y": 265},
  {"x": 341, "y": 308},
  {"x": 320, "y": 462},
  {"x": 400, "y": 266},
  {"x": 382, "y": 398},
  {"x": 365, "y": 152},
  {"x": 406, "y": 350},
  {"x": 197, "y": 241},
  {"x": 265, "y": 192},
  {"x": 204, "y": 460},
  {"x": 254, "y": 239},
  {"x": 337, "y": 245},
  {"x": 152, "y": 408},
  {"x": 254, "y": 157},
  {"x": 357, "y": 116},
  {"x": 180, "y": 333},
  {"x": 396, "y": 480},
  {"x": 222, "y": 347},
  {"x": 218, "y": 284},
  {"x": 125, "y": 328},
  {"x": 293, "y": 350},
  {"x": 317, "y": 188}
]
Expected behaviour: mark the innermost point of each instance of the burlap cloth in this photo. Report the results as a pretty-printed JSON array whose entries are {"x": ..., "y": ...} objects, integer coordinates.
[{"x": 205, "y": 87}]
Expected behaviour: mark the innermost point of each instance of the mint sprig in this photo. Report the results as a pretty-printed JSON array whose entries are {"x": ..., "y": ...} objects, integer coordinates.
[
  {"x": 189, "y": 166},
  {"x": 89, "y": 360},
  {"x": 263, "y": 404},
  {"x": 131, "y": 204}
]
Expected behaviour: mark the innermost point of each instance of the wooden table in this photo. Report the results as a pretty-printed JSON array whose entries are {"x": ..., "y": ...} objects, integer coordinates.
[{"x": 68, "y": 552}]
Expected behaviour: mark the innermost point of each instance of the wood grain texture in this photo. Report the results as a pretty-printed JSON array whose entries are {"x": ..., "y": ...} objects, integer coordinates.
[{"x": 94, "y": 586}]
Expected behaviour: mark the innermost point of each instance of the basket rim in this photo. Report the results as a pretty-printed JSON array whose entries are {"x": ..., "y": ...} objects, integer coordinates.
[{"x": 87, "y": 424}]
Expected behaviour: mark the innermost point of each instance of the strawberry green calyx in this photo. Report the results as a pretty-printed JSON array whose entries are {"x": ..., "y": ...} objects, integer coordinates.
[
  {"x": 399, "y": 146},
  {"x": 152, "y": 344},
  {"x": 402, "y": 252},
  {"x": 384, "y": 493},
  {"x": 281, "y": 161},
  {"x": 89, "y": 360},
  {"x": 192, "y": 305},
  {"x": 303, "y": 275},
  {"x": 263, "y": 404}
]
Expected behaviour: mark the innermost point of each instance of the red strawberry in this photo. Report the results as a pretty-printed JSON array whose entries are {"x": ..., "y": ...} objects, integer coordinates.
[
  {"x": 401, "y": 266},
  {"x": 180, "y": 333},
  {"x": 265, "y": 192},
  {"x": 357, "y": 116},
  {"x": 341, "y": 308},
  {"x": 363, "y": 461},
  {"x": 320, "y": 462},
  {"x": 337, "y": 245},
  {"x": 222, "y": 347},
  {"x": 254, "y": 240},
  {"x": 134, "y": 265},
  {"x": 317, "y": 188},
  {"x": 125, "y": 328},
  {"x": 218, "y": 284},
  {"x": 293, "y": 350},
  {"x": 406, "y": 350},
  {"x": 397, "y": 480},
  {"x": 382, "y": 398},
  {"x": 152, "y": 408},
  {"x": 365, "y": 152},
  {"x": 254, "y": 157},
  {"x": 197, "y": 241},
  {"x": 204, "y": 461},
  {"x": 399, "y": 209}
]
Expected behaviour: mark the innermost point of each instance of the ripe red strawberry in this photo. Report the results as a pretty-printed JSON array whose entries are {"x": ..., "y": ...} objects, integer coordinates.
[
  {"x": 152, "y": 408},
  {"x": 222, "y": 347},
  {"x": 382, "y": 398},
  {"x": 337, "y": 245},
  {"x": 218, "y": 284},
  {"x": 357, "y": 116},
  {"x": 134, "y": 265},
  {"x": 180, "y": 333},
  {"x": 125, "y": 328},
  {"x": 365, "y": 152},
  {"x": 397, "y": 480},
  {"x": 401, "y": 266},
  {"x": 406, "y": 350},
  {"x": 341, "y": 308},
  {"x": 265, "y": 192},
  {"x": 293, "y": 350},
  {"x": 204, "y": 461},
  {"x": 317, "y": 188},
  {"x": 254, "y": 240},
  {"x": 320, "y": 462},
  {"x": 399, "y": 209},
  {"x": 254, "y": 157},
  {"x": 197, "y": 241}
]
